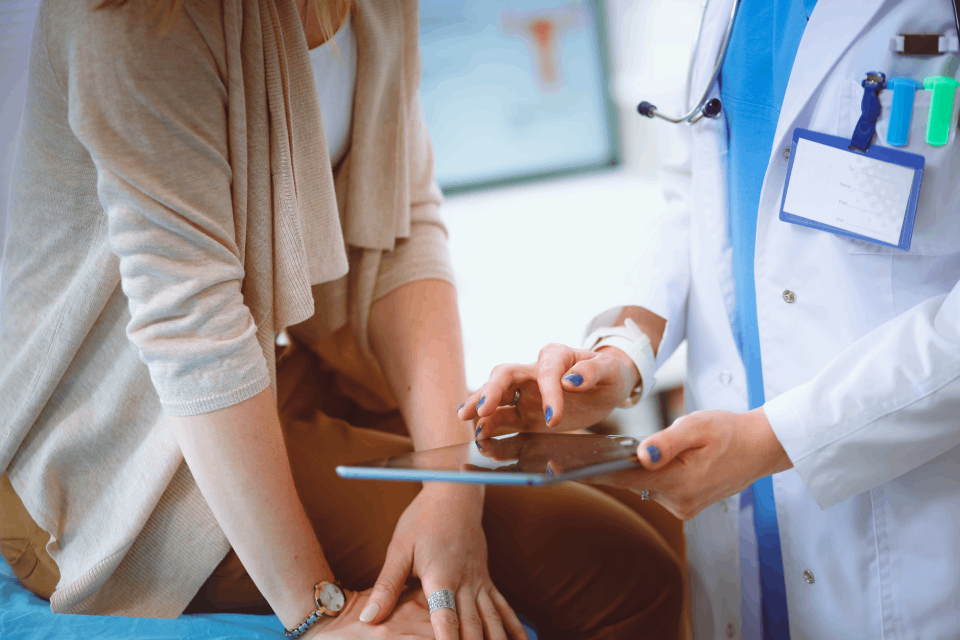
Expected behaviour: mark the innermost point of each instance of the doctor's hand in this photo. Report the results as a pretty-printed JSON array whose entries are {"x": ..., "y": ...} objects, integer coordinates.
[
  {"x": 704, "y": 457},
  {"x": 565, "y": 389}
]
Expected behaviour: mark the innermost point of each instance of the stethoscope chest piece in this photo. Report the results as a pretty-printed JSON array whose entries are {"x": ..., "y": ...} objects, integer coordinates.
[
  {"x": 706, "y": 107},
  {"x": 710, "y": 109}
]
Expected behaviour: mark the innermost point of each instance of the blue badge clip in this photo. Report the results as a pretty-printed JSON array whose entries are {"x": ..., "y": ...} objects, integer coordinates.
[
  {"x": 902, "y": 110},
  {"x": 869, "y": 111}
]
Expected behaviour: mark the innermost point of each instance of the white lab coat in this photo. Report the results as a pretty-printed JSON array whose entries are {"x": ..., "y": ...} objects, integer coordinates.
[{"x": 861, "y": 373}]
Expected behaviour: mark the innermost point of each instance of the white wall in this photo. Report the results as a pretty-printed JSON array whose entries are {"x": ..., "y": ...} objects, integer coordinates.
[{"x": 651, "y": 42}]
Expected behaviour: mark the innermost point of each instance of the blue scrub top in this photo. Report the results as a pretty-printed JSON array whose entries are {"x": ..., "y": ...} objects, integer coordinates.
[{"x": 753, "y": 81}]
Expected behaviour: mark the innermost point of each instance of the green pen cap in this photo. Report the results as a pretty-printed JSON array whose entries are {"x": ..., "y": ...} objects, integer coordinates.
[{"x": 939, "y": 118}]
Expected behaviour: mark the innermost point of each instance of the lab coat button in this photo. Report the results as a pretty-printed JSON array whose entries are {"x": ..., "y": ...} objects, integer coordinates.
[
  {"x": 808, "y": 577},
  {"x": 789, "y": 296},
  {"x": 786, "y": 153},
  {"x": 726, "y": 378}
]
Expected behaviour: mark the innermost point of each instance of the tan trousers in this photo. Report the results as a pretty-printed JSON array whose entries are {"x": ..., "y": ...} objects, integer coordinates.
[{"x": 577, "y": 561}]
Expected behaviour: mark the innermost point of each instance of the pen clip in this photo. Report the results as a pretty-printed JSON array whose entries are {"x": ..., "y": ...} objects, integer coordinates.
[
  {"x": 940, "y": 116},
  {"x": 901, "y": 111}
]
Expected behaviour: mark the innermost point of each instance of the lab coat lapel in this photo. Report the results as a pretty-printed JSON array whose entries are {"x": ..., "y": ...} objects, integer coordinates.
[{"x": 833, "y": 27}]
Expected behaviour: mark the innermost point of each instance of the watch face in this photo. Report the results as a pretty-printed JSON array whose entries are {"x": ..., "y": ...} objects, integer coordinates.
[{"x": 331, "y": 597}]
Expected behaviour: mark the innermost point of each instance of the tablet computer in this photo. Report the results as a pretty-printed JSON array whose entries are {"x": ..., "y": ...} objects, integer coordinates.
[{"x": 514, "y": 459}]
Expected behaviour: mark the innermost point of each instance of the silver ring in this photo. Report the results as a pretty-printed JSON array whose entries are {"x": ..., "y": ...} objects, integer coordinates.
[
  {"x": 516, "y": 398},
  {"x": 442, "y": 599},
  {"x": 645, "y": 494}
]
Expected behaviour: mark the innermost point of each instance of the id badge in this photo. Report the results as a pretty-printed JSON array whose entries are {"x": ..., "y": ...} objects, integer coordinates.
[{"x": 870, "y": 196}]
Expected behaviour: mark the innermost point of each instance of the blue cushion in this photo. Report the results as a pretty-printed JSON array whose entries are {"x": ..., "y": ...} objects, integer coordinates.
[{"x": 24, "y": 616}]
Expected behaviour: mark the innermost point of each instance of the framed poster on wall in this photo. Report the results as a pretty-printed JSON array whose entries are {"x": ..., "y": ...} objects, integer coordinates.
[{"x": 514, "y": 90}]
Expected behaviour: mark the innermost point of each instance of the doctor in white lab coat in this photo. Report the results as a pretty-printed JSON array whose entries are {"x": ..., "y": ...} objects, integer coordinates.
[{"x": 860, "y": 352}]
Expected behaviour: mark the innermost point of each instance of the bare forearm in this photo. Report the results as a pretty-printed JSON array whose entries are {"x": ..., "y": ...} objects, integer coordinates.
[
  {"x": 239, "y": 460},
  {"x": 415, "y": 335}
]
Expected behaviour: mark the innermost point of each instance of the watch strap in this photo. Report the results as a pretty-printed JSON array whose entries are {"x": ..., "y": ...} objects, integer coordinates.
[
  {"x": 636, "y": 344},
  {"x": 321, "y": 611},
  {"x": 301, "y": 628}
]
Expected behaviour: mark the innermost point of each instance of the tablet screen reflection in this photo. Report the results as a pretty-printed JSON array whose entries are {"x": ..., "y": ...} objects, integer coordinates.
[{"x": 535, "y": 453}]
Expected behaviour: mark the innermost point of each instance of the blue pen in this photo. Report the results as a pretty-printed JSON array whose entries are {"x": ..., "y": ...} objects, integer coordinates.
[{"x": 902, "y": 110}]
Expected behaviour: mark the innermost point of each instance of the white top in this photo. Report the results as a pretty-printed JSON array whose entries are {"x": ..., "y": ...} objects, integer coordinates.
[{"x": 335, "y": 72}]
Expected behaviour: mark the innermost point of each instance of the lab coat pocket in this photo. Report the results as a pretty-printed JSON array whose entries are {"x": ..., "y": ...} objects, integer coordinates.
[{"x": 936, "y": 230}]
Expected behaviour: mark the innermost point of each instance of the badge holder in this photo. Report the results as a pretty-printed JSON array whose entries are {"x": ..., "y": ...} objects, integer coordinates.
[{"x": 850, "y": 187}]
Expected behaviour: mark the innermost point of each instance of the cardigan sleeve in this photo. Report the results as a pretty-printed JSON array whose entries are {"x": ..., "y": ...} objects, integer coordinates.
[
  {"x": 424, "y": 255},
  {"x": 150, "y": 108}
]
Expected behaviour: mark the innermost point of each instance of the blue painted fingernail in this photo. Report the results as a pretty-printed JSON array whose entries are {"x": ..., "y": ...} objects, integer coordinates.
[
  {"x": 479, "y": 446},
  {"x": 482, "y": 400},
  {"x": 477, "y": 434},
  {"x": 654, "y": 454},
  {"x": 574, "y": 378},
  {"x": 549, "y": 471},
  {"x": 549, "y": 414},
  {"x": 461, "y": 407}
]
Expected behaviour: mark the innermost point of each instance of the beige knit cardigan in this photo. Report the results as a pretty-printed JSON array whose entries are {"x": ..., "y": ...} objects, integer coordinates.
[{"x": 172, "y": 207}]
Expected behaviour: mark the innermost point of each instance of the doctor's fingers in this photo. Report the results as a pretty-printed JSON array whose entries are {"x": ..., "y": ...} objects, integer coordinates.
[
  {"x": 505, "y": 420},
  {"x": 592, "y": 369},
  {"x": 672, "y": 487},
  {"x": 497, "y": 390},
  {"x": 553, "y": 363},
  {"x": 659, "y": 450}
]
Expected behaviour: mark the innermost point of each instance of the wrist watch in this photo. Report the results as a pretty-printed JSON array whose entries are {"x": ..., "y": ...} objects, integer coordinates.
[
  {"x": 635, "y": 343},
  {"x": 330, "y": 600}
]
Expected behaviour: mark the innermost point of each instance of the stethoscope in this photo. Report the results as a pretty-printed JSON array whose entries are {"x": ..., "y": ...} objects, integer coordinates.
[
  {"x": 706, "y": 108},
  {"x": 710, "y": 108}
]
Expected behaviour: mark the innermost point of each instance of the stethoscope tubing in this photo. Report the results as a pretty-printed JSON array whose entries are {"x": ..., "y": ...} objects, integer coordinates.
[{"x": 697, "y": 112}]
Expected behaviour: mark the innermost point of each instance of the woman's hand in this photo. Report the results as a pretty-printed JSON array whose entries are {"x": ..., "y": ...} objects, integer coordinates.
[
  {"x": 440, "y": 541},
  {"x": 409, "y": 620},
  {"x": 566, "y": 388},
  {"x": 704, "y": 457}
]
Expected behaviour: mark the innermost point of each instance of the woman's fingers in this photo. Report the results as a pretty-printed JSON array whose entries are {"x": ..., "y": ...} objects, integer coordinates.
[
  {"x": 445, "y": 621},
  {"x": 493, "y": 627},
  {"x": 390, "y": 584},
  {"x": 471, "y": 625},
  {"x": 511, "y": 623}
]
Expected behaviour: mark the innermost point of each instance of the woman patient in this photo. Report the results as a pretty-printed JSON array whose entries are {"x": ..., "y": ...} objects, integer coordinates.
[{"x": 193, "y": 178}]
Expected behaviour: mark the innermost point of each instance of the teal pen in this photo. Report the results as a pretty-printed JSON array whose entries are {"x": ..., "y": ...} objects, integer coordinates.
[{"x": 901, "y": 112}]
